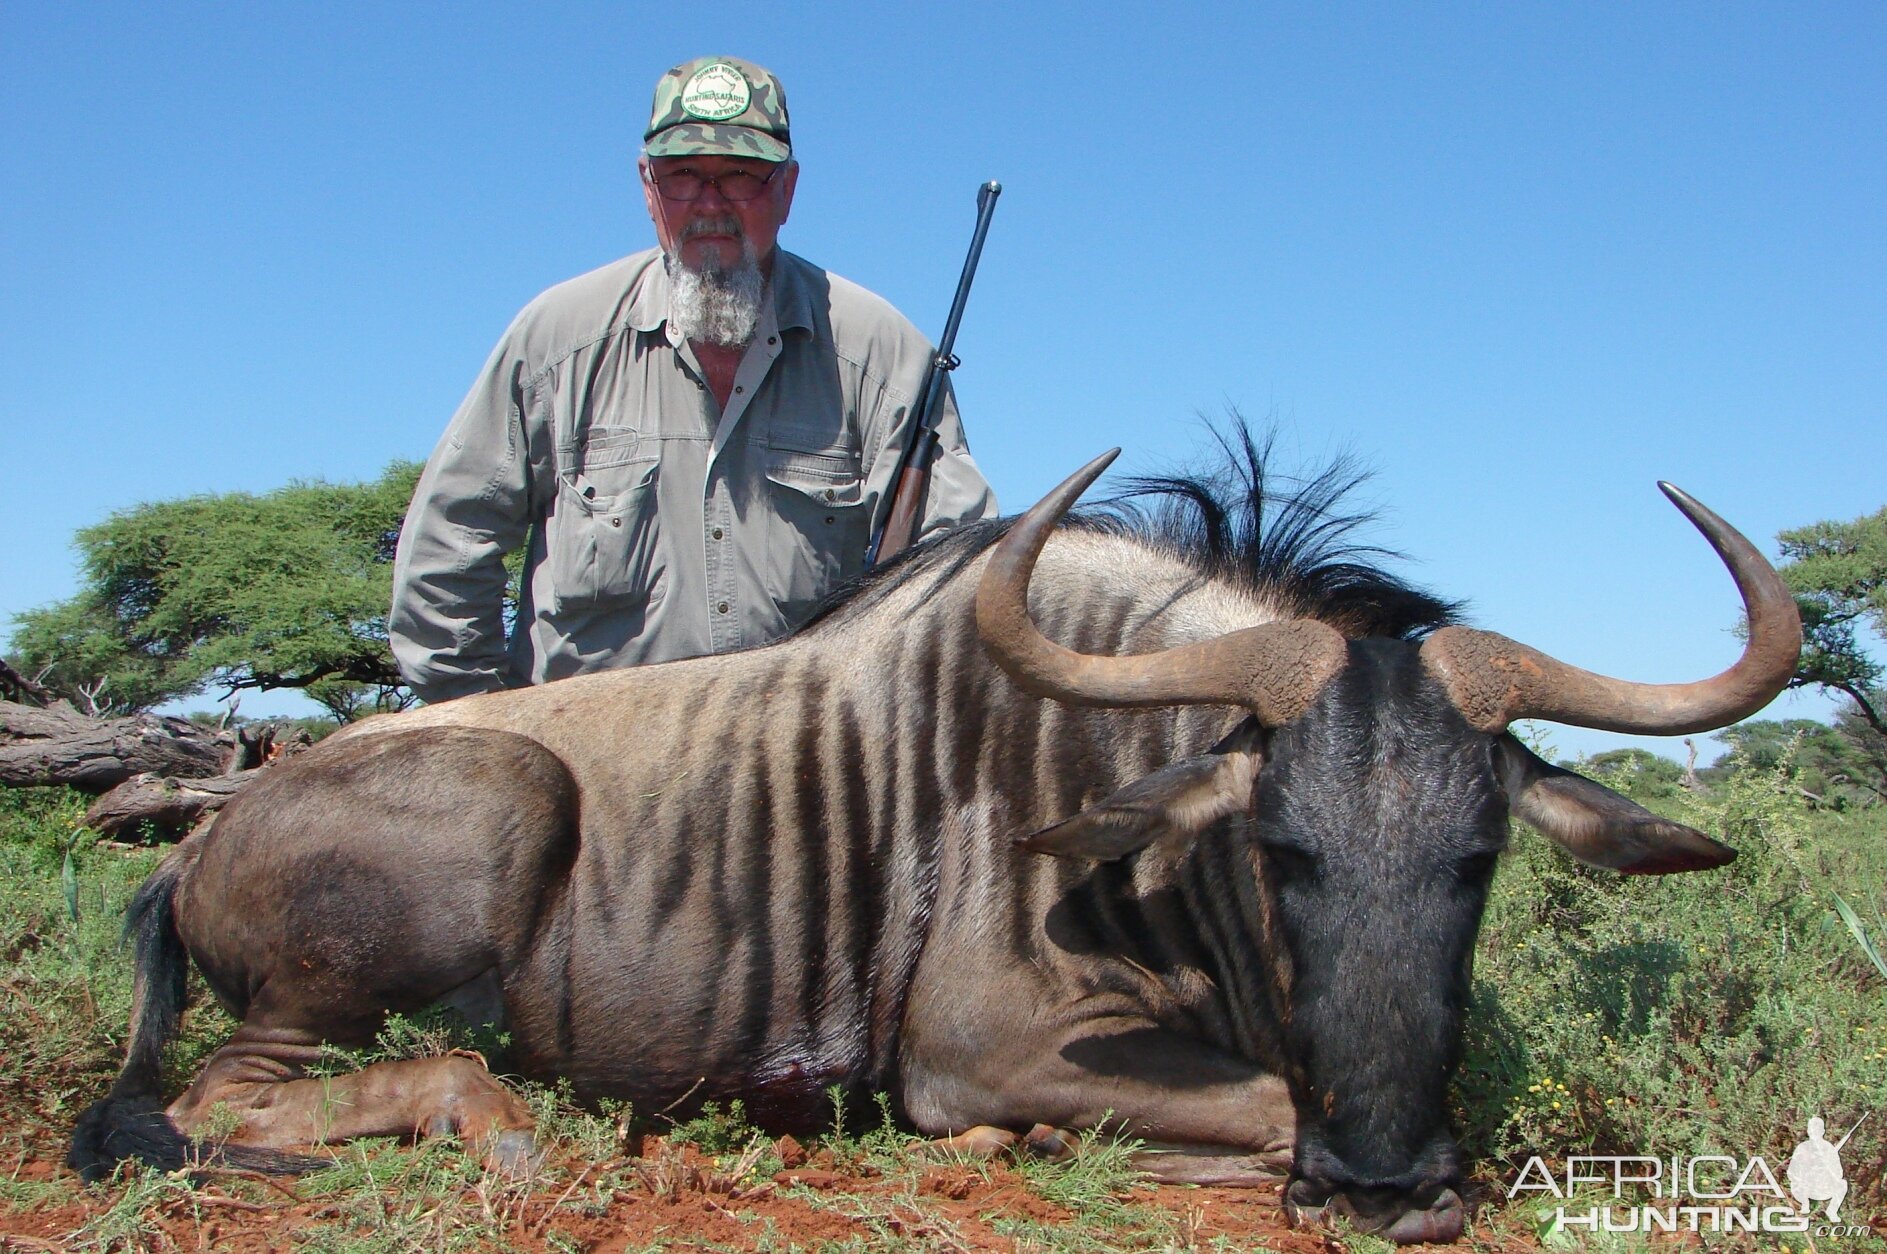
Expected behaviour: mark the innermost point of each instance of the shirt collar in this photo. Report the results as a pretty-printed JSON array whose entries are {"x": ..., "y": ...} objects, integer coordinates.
[
  {"x": 648, "y": 303},
  {"x": 792, "y": 294}
]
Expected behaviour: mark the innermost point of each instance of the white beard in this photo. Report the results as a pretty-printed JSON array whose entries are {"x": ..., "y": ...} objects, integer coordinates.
[{"x": 716, "y": 305}]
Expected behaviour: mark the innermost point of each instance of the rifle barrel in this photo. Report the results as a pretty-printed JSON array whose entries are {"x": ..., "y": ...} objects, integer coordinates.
[
  {"x": 903, "y": 518},
  {"x": 985, "y": 210}
]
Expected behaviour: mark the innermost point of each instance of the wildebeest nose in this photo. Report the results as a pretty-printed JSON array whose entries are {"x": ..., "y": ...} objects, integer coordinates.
[
  {"x": 1440, "y": 1220},
  {"x": 1401, "y": 1217},
  {"x": 1305, "y": 1194}
]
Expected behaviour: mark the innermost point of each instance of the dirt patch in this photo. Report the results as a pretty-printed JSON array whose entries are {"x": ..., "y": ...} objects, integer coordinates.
[{"x": 672, "y": 1196}]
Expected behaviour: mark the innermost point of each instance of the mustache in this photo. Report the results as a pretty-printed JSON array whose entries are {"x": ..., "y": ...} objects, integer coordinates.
[{"x": 729, "y": 225}]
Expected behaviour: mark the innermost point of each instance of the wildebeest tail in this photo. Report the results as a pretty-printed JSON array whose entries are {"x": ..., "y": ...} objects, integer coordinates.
[{"x": 129, "y": 1121}]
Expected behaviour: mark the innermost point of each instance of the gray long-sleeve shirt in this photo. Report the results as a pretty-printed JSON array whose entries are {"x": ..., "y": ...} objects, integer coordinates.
[{"x": 657, "y": 524}]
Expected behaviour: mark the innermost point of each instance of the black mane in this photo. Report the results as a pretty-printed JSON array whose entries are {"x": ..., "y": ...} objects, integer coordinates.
[
  {"x": 1236, "y": 523},
  {"x": 1231, "y": 522}
]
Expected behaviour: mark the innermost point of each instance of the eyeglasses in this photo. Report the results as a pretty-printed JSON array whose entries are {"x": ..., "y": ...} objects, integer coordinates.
[{"x": 686, "y": 184}]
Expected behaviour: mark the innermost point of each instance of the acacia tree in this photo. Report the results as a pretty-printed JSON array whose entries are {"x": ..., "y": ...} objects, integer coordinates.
[
  {"x": 1638, "y": 773},
  {"x": 1838, "y": 571},
  {"x": 287, "y": 589},
  {"x": 1831, "y": 766}
]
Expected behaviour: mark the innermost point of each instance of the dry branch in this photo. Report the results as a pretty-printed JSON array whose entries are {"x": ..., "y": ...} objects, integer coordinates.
[
  {"x": 17, "y": 687},
  {"x": 165, "y": 801}
]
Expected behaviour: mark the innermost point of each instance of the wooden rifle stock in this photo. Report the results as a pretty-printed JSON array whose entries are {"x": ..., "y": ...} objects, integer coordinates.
[
  {"x": 907, "y": 493},
  {"x": 907, "y": 496}
]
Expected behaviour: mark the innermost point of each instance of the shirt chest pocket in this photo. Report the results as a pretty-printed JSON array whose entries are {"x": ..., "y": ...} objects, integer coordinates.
[
  {"x": 822, "y": 527},
  {"x": 603, "y": 541}
]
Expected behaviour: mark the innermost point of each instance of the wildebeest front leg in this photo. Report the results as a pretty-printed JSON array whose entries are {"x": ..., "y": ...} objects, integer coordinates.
[
  {"x": 259, "y": 1078},
  {"x": 1207, "y": 1117}
]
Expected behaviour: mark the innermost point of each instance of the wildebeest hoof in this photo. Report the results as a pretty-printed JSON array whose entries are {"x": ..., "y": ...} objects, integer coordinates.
[
  {"x": 513, "y": 1154},
  {"x": 982, "y": 1141},
  {"x": 1378, "y": 1212},
  {"x": 1046, "y": 1141}
]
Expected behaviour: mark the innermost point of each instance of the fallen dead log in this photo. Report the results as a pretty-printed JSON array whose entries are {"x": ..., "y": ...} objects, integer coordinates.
[
  {"x": 169, "y": 804},
  {"x": 59, "y": 745},
  {"x": 172, "y": 806}
]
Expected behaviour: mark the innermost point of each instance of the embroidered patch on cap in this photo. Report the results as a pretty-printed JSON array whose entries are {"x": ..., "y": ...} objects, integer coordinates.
[{"x": 716, "y": 93}]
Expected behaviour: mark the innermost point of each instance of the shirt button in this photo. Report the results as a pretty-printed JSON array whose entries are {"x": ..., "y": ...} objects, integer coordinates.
[
  {"x": 830, "y": 495},
  {"x": 773, "y": 339},
  {"x": 722, "y": 607},
  {"x": 828, "y": 520},
  {"x": 740, "y": 387},
  {"x": 615, "y": 522},
  {"x": 716, "y": 533}
]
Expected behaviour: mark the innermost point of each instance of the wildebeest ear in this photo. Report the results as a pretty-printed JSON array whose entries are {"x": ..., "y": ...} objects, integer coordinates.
[
  {"x": 1596, "y": 825},
  {"x": 1172, "y": 805}
]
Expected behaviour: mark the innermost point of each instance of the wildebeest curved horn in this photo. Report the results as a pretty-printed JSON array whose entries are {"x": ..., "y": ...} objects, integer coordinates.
[
  {"x": 1493, "y": 680},
  {"x": 1274, "y": 670}
]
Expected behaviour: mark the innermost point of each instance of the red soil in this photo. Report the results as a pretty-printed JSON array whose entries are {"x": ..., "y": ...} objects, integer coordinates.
[{"x": 951, "y": 1207}]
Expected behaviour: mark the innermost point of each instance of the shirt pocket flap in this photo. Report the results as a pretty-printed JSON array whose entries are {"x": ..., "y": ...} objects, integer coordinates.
[
  {"x": 602, "y": 447},
  {"x": 831, "y": 479},
  {"x": 616, "y": 487}
]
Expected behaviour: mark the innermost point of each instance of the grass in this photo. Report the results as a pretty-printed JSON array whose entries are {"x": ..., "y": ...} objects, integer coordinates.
[
  {"x": 387, "y": 1197},
  {"x": 64, "y": 982},
  {"x": 129, "y": 1223},
  {"x": 1103, "y": 1197},
  {"x": 1677, "y": 1015},
  {"x": 1101, "y": 1190}
]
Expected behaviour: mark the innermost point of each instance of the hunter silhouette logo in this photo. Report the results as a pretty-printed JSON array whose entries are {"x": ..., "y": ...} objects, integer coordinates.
[{"x": 1815, "y": 1170}]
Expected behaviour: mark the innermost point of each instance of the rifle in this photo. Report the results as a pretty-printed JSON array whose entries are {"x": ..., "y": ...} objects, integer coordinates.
[{"x": 907, "y": 494}]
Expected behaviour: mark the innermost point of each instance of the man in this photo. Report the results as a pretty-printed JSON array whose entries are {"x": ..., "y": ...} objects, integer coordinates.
[{"x": 693, "y": 444}]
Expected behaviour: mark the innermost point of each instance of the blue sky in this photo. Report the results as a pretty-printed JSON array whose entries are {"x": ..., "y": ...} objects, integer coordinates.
[{"x": 1521, "y": 259}]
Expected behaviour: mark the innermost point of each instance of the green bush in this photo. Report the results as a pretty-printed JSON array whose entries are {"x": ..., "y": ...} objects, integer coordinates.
[
  {"x": 37, "y": 825},
  {"x": 1686, "y": 1014},
  {"x": 65, "y": 979}
]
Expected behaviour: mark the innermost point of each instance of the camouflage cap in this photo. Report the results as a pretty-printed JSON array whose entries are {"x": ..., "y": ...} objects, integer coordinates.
[{"x": 722, "y": 106}]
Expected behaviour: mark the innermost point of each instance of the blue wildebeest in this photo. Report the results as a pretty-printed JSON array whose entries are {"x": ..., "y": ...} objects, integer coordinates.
[{"x": 1275, "y": 781}]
